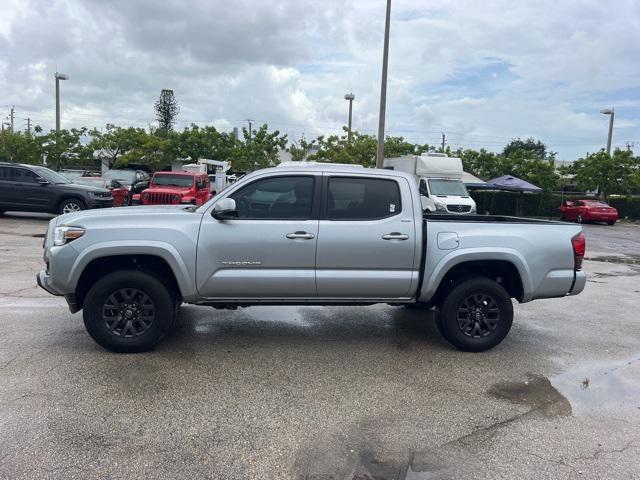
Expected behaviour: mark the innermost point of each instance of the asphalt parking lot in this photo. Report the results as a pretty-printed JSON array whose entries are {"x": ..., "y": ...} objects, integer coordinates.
[{"x": 324, "y": 393}]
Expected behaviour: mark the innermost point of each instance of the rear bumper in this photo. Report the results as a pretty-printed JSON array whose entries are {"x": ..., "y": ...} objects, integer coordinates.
[
  {"x": 601, "y": 217},
  {"x": 579, "y": 283}
]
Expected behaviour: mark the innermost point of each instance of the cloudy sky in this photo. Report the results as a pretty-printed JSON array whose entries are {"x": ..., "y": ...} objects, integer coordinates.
[{"x": 481, "y": 72}]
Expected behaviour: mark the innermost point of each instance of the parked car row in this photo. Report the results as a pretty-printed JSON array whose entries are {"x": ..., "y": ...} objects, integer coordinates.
[{"x": 40, "y": 189}]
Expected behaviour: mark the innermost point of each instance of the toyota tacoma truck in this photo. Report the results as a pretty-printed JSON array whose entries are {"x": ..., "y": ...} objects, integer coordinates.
[{"x": 306, "y": 235}]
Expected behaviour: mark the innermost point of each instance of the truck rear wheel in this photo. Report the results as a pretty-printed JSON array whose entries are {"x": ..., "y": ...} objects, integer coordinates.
[
  {"x": 476, "y": 315},
  {"x": 128, "y": 311}
]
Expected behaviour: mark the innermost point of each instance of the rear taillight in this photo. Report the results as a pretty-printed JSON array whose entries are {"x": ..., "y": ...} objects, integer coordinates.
[{"x": 579, "y": 244}]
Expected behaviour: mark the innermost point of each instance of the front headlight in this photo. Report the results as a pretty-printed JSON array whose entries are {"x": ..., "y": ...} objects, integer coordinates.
[
  {"x": 62, "y": 235},
  {"x": 440, "y": 207}
]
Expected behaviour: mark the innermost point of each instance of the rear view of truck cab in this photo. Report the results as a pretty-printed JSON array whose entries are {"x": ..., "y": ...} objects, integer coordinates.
[{"x": 440, "y": 181}]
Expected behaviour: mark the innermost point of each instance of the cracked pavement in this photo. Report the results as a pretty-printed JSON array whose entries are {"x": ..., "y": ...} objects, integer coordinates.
[{"x": 323, "y": 393}]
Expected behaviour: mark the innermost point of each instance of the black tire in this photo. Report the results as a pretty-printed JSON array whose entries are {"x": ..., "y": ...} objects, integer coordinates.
[
  {"x": 69, "y": 205},
  {"x": 129, "y": 311},
  {"x": 579, "y": 218},
  {"x": 476, "y": 315},
  {"x": 608, "y": 223}
]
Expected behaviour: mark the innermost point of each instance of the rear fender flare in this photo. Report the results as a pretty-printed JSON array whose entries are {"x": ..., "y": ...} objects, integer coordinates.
[{"x": 446, "y": 263}]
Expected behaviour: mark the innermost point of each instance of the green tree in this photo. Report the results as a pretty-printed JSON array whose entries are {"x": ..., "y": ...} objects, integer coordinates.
[
  {"x": 481, "y": 163},
  {"x": 300, "y": 150},
  {"x": 65, "y": 148},
  {"x": 607, "y": 174},
  {"x": 167, "y": 109},
  {"x": 260, "y": 150},
  {"x": 196, "y": 142},
  {"x": 530, "y": 145},
  {"x": 22, "y": 147},
  {"x": 336, "y": 149},
  {"x": 154, "y": 151},
  {"x": 115, "y": 141},
  {"x": 398, "y": 146}
]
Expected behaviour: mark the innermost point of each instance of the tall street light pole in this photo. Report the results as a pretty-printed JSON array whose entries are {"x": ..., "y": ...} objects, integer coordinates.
[
  {"x": 59, "y": 76},
  {"x": 612, "y": 113},
  {"x": 383, "y": 89},
  {"x": 349, "y": 97}
]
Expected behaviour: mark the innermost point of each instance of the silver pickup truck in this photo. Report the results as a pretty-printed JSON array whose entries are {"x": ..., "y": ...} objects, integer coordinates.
[{"x": 306, "y": 235}]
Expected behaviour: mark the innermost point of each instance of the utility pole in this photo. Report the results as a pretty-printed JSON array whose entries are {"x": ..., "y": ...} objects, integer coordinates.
[
  {"x": 11, "y": 116},
  {"x": 28, "y": 125},
  {"x": 349, "y": 97},
  {"x": 58, "y": 77},
  {"x": 383, "y": 88},
  {"x": 444, "y": 141}
]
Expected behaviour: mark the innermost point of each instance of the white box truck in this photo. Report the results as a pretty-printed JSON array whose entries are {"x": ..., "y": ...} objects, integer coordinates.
[{"x": 440, "y": 180}]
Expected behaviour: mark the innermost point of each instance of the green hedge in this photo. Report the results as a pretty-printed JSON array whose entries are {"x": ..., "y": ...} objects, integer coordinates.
[
  {"x": 627, "y": 207},
  {"x": 543, "y": 205}
]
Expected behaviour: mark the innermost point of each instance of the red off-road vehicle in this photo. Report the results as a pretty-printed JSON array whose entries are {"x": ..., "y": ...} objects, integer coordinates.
[{"x": 168, "y": 188}]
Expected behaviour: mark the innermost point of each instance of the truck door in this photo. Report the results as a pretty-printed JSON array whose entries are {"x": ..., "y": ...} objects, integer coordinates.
[
  {"x": 367, "y": 238},
  {"x": 269, "y": 250}
]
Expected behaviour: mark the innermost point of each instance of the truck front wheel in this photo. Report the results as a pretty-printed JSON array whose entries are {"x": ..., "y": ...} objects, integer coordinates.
[
  {"x": 476, "y": 315},
  {"x": 128, "y": 311}
]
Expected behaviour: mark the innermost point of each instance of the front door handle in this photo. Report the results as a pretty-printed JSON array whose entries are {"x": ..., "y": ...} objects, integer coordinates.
[
  {"x": 395, "y": 236},
  {"x": 300, "y": 235}
]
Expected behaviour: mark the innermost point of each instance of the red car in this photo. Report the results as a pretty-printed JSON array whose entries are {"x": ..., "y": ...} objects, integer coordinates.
[
  {"x": 168, "y": 188},
  {"x": 588, "y": 211},
  {"x": 121, "y": 194}
]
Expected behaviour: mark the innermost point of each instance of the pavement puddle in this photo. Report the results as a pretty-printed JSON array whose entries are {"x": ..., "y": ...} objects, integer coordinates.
[
  {"x": 536, "y": 392},
  {"x": 601, "y": 386},
  {"x": 594, "y": 387}
]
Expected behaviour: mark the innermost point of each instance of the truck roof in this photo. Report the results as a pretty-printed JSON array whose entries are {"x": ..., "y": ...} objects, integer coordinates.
[{"x": 335, "y": 167}]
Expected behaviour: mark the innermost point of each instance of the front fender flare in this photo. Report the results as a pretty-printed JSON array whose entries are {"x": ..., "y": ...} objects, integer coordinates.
[{"x": 152, "y": 248}]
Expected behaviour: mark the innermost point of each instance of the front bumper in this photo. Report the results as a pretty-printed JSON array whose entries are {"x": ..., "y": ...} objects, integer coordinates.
[
  {"x": 44, "y": 281},
  {"x": 100, "y": 203}
]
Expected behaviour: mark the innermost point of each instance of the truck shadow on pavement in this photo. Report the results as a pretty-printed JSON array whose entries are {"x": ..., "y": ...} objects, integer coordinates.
[{"x": 254, "y": 326}]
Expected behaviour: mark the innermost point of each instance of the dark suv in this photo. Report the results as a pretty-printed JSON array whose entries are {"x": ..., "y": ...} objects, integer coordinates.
[{"x": 30, "y": 188}]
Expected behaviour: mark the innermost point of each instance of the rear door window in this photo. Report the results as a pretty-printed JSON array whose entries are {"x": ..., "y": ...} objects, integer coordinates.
[
  {"x": 25, "y": 176},
  {"x": 353, "y": 198}
]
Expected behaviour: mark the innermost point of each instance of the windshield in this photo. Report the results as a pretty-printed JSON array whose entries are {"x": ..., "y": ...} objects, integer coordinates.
[
  {"x": 94, "y": 182},
  {"x": 173, "y": 180},
  {"x": 51, "y": 176},
  {"x": 126, "y": 176},
  {"x": 439, "y": 186}
]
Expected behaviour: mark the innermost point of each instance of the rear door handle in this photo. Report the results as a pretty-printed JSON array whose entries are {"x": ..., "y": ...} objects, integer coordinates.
[
  {"x": 300, "y": 235},
  {"x": 395, "y": 236}
]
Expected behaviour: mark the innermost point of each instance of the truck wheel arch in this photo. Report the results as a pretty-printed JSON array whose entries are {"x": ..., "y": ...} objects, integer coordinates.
[
  {"x": 99, "y": 267},
  {"x": 503, "y": 271}
]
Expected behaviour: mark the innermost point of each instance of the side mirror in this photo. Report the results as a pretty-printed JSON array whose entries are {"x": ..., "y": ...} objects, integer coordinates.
[
  {"x": 43, "y": 182},
  {"x": 225, "y": 209}
]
